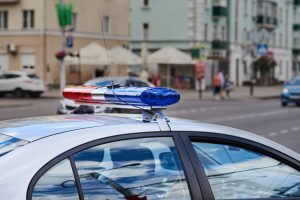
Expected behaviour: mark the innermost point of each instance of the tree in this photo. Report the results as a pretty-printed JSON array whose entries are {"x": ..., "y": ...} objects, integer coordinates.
[{"x": 265, "y": 67}]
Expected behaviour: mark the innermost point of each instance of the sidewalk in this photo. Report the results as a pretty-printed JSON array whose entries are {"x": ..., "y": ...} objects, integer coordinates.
[
  {"x": 241, "y": 93},
  {"x": 10, "y": 103}
]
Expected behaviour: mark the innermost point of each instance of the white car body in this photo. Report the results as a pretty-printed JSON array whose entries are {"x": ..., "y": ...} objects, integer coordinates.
[
  {"x": 49, "y": 137},
  {"x": 20, "y": 81}
]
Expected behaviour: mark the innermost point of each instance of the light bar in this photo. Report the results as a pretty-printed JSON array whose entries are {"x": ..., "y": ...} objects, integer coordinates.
[{"x": 156, "y": 97}]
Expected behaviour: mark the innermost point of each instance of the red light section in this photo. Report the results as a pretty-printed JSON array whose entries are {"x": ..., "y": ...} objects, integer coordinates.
[{"x": 79, "y": 94}]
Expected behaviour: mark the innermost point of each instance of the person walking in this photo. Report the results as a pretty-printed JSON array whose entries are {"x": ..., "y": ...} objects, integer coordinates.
[
  {"x": 227, "y": 86},
  {"x": 217, "y": 85}
]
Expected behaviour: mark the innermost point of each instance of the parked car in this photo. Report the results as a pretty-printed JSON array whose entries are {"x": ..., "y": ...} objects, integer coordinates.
[
  {"x": 21, "y": 84},
  {"x": 291, "y": 92},
  {"x": 149, "y": 157},
  {"x": 67, "y": 106}
]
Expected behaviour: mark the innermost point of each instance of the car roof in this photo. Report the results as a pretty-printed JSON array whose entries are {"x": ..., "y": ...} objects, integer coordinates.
[
  {"x": 13, "y": 72},
  {"x": 31, "y": 129},
  {"x": 36, "y": 128}
]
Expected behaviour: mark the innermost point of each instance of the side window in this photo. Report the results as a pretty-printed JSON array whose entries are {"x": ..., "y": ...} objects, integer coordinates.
[
  {"x": 130, "y": 83},
  {"x": 140, "y": 84},
  {"x": 237, "y": 173},
  {"x": 132, "y": 169},
  {"x": 11, "y": 76},
  {"x": 57, "y": 183}
]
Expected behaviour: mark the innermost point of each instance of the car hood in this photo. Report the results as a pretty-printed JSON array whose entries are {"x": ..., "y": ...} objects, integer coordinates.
[
  {"x": 293, "y": 88},
  {"x": 69, "y": 102}
]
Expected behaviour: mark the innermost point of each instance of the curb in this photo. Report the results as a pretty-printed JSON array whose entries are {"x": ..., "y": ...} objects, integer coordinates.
[
  {"x": 15, "y": 105},
  {"x": 269, "y": 97}
]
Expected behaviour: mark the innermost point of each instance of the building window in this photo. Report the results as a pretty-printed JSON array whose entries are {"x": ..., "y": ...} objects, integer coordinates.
[
  {"x": 28, "y": 19},
  {"x": 216, "y": 31},
  {"x": 254, "y": 8},
  {"x": 287, "y": 28},
  {"x": 246, "y": 7},
  {"x": 223, "y": 33},
  {"x": 245, "y": 67},
  {"x": 287, "y": 67},
  {"x": 3, "y": 19},
  {"x": 206, "y": 32},
  {"x": 106, "y": 24},
  {"x": 281, "y": 40},
  {"x": 74, "y": 21},
  {"x": 206, "y": 3},
  {"x": 28, "y": 62},
  {"x": 244, "y": 36},
  {"x": 145, "y": 31},
  {"x": 280, "y": 67},
  {"x": 145, "y": 3},
  {"x": 236, "y": 32}
]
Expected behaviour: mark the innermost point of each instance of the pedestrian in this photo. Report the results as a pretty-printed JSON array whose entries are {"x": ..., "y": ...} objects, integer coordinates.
[
  {"x": 217, "y": 85},
  {"x": 227, "y": 86},
  {"x": 222, "y": 79}
]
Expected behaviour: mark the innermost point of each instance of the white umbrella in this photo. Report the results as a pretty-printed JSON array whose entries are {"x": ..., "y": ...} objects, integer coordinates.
[
  {"x": 92, "y": 54},
  {"x": 123, "y": 56},
  {"x": 170, "y": 55}
]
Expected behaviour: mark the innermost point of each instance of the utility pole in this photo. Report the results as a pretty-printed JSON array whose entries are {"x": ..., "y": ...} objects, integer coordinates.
[
  {"x": 64, "y": 14},
  {"x": 62, "y": 63},
  {"x": 228, "y": 32}
]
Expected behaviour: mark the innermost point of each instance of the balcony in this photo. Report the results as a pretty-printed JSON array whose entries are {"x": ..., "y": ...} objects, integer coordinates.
[
  {"x": 219, "y": 11},
  {"x": 9, "y": 1},
  {"x": 266, "y": 22},
  {"x": 296, "y": 27},
  {"x": 219, "y": 45},
  {"x": 296, "y": 2},
  {"x": 296, "y": 51}
]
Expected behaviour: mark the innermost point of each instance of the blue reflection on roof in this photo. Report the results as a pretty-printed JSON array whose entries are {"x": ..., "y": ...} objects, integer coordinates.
[{"x": 31, "y": 129}]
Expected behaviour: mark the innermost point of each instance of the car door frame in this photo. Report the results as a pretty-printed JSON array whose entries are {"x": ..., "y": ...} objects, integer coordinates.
[
  {"x": 194, "y": 188},
  {"x": 224, "y": 139}
]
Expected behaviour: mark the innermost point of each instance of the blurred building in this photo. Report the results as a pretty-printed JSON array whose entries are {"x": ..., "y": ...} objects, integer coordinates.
[
  {"x": 30, "y": 35},
  {"x": 231, "y": 29},
  {"x": 296, "y": 37}
]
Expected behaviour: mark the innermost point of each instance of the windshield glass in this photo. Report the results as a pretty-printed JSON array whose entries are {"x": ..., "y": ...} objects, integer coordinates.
[
  {"x": 295, "y": 81},
  {"x": 33, "y": 76},
  {"x": 8, "y": 144}
]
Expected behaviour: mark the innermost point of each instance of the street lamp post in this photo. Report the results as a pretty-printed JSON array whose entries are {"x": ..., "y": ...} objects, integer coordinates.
[{"x": 62, "y": 63}]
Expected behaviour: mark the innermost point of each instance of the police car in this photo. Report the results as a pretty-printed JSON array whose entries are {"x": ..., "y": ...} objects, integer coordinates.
[{"x": 109, "y": 156}]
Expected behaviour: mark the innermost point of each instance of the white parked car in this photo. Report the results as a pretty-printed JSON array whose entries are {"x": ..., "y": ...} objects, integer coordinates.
[{"x": 21, "y": 84}]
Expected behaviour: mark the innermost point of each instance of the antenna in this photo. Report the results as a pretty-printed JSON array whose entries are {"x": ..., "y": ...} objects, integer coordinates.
[{"x": 105, "y": 45}]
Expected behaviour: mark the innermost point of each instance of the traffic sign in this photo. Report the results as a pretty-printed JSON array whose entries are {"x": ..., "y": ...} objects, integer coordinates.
[
  {"x": 70, "y": 41},
  {"x": 262, "y": 49}
]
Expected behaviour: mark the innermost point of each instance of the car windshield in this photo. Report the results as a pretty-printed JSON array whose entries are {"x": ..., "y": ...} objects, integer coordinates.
[
  {"x": 295, "y": 81},
  {"x": 8, "y": 144},
  {"x": 33, "y": 76},
  {"x": 103, "y": 83}
]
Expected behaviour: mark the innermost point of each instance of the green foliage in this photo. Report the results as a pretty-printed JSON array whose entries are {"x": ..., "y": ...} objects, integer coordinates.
[{"x": 64, "y": 14}]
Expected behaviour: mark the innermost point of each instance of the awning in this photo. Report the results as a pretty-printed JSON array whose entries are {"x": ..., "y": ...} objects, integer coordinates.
[
  {"x": 170, "y": 55},
  {"x": 123, "y": 56}
]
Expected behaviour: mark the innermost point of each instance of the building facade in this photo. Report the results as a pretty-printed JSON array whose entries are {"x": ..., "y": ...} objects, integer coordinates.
[
  {"x": 230, "y": 29},
  {"x": 30, "y": 35}
]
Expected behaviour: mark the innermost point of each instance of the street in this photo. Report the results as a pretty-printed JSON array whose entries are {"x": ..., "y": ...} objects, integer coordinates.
[{"x": 263, "y": 117}]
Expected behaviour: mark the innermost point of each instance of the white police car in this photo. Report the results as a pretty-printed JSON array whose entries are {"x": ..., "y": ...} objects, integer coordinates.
[{"x": 121, "y": 157}]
